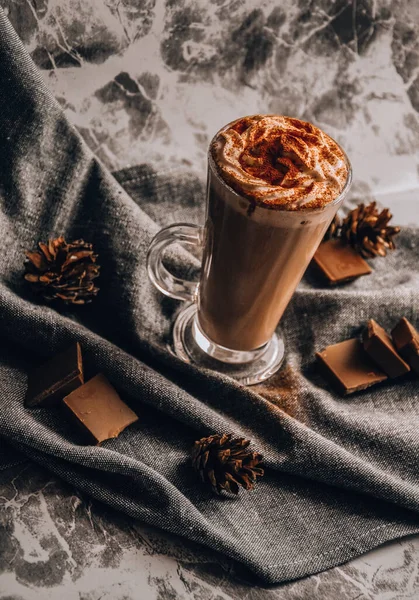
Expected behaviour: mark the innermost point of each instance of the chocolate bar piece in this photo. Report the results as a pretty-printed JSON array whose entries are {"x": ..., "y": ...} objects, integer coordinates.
[
  {"x": 349, "y": 367},
  {"x": 406, "y": 340},
  {"x": 339, "y": 263},
  {"x": 379, "y": 346},
  {"x": 49, "y": 383},
  {"x": 100, "y": 411}
]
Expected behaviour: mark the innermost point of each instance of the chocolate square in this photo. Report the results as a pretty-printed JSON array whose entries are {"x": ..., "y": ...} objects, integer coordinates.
[
  {"x": 379, "y": 346},
  {"x": 99, "y": 410},
  {"x": 339, "y": 263},
  {"x": 406, "y": 340},
  {"x": 349, "y": 367},
  {"x": 49, "y": 383}
]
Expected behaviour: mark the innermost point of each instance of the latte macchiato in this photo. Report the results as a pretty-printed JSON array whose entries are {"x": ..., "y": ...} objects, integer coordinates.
[{"x": 272, "y": 186}]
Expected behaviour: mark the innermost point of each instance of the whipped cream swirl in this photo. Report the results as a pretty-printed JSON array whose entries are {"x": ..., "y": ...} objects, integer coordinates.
[{"x": 280, "y": 162}]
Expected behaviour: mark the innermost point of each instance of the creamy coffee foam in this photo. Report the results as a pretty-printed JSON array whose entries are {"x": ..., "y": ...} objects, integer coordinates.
[{"x": 280, "y": 162}]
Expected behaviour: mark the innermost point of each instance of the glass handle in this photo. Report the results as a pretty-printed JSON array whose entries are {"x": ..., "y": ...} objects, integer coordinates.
[{"x": 164, "y": 281}]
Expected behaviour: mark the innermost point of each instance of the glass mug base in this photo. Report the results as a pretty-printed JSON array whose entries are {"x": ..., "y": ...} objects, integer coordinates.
[{"x": 191, "y": 345}]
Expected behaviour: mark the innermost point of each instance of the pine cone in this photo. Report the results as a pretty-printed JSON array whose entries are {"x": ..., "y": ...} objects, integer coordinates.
[
  {"x": 61, "y": 271},
  {"x": 366, "y": 229},
  {"x": 225, "y": 463}
]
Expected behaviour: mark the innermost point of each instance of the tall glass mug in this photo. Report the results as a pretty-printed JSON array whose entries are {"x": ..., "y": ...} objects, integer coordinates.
[{"x": 274, "y": 185}]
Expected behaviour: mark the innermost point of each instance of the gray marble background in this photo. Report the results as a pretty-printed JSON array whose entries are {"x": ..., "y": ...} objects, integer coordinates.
[{"x": 150, "y": 81}]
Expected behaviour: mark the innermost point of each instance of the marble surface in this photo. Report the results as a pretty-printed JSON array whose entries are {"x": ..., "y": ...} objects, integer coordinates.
[
  {"x": 56, "y": 544},
  {"x": 151, "y": 81}
]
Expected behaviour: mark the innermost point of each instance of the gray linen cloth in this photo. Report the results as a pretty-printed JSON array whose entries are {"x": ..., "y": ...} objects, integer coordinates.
[{"x": 342, "y": 474}]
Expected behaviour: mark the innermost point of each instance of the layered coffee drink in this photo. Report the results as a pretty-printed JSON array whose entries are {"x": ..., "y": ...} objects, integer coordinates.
[{"x": 273, "y": 185}]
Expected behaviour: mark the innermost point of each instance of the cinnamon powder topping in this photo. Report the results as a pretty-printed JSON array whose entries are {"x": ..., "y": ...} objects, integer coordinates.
[{"x": 280, "y": 162}]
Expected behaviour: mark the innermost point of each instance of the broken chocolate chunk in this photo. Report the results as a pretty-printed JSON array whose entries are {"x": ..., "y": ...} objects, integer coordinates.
[
  {"x": 99, "y": 410},
  {"x": 339, "y": 263},
  {"x": 379, "y": 346},
  {"x": 349, "y": 367},
  {"x": 406, "y": 340},
  {"x": 49, "y": 383}
]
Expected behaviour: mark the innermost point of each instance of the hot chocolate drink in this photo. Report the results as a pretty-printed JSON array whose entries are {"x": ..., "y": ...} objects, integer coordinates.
[{"x": 273, "y": 183}]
